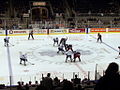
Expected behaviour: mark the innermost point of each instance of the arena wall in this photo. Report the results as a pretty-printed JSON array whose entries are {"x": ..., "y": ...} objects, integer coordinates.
[{"x": 59, "y": 31}]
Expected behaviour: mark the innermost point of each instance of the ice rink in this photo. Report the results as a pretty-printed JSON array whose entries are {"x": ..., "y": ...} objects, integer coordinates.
[{"x": 43, "y": 54}]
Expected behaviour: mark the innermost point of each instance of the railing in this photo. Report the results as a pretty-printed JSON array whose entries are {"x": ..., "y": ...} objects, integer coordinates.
[{"x": 26, "y": 77}]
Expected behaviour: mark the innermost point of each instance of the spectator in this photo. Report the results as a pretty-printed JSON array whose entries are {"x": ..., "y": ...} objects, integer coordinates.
[
  {"x": 20, "y": 86},
  {"x": 48, "y": 82},
  {"x": 56, "y": 82},
  {"x": 111, "y": 79},
  {"x": 40, "y": 87},
  {"x": 36, "y": 83},
  {"x": 67, "y": 85},
  {"x": 76, "y": 81},
  {"x": 30, "y": 83},
  {"x": 27, "y": 86},
  {"x": 85, "y": 81},
  {"x": 79, "y": 87}
]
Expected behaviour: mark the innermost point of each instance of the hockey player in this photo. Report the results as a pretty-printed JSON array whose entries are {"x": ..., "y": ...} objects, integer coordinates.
[
  {"x": 6, "y": 41},
  {"x": 69, "y": 55},
  {"x": 69, "y": 47},
  {"x": 76, "y": 55},
  {"x": 118, "y": 53},
  {"x": 60, "y": 49},
  {"x": 55, "y": 41},
  {"x": 66, "y": 47},
  {"x": 63, "y": 42},
  {"x": 99, "y": 38},
  {"x": 30, "y": 34},
  {"x": 23, "y": 57}
]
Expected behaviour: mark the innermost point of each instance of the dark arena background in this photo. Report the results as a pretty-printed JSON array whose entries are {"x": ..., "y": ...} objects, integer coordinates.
[{"x": 37, "y": 36}]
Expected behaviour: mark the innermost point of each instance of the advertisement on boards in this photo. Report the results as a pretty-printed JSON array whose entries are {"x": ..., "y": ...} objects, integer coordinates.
[
  {"x": 58, "y": 31},
  {"x": 80, "y": 30},
  {"x": 98, "y": 30},
  {"x": 113, "y": 29}
]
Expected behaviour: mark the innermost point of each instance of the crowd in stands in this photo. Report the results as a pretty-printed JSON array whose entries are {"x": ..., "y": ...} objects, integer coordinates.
[
  {"x": 82, "y": 22},
  {"x": 59, "y": 6},
  {"x": 77, "y": 9},
  {"x": 48, "y": 83},
  {"x": 109, "y": 81}
]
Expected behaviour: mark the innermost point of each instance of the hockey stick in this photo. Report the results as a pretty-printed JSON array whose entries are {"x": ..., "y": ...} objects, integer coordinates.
[
  {"x": 30, "y": 63},
  {"x": 11, "y": 44}
]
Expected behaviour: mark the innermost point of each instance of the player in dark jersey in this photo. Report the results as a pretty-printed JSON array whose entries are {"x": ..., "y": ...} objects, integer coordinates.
[
  {"x": 60, "y": 49},
  {"x": 69, "y": 47},
  {"x": 30, "y": 34},
  {"x": 55, "y": 41},
  {"x": 99, "y": 38},
  {"x": 63, "y": 42},
  {"x": 76, "y": 55}
]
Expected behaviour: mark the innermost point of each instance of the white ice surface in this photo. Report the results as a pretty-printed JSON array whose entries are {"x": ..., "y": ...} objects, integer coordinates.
[{"x": 43, "y": 54}]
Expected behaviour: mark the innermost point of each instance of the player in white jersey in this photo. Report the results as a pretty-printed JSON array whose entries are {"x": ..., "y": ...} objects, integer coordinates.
[
  {"x": 118, "y": 53},
  {"x": 23, "y": 57},
  {"x": 69, "y": 55},
  {"x": 6, "y": 41}
]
